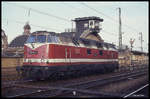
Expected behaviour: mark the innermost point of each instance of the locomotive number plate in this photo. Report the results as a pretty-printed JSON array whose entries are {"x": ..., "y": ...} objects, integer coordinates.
[{"x": 33, "y": 52}]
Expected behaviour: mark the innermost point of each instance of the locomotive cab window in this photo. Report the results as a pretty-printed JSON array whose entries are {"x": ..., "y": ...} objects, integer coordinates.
[
  {"x": 88, "y": 51},
  {"x": 31, "y": 39},
  {"x": 53, "y": 39},
  {"x": 100, "y": 52},
  {"x": 41, "y": 38}
]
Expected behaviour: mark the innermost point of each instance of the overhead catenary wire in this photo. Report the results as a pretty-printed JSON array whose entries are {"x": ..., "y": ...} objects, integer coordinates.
[
  {"x": 76, "y": 8},
  {"x": 20, "y": 22},
  {"x": 41, "y": 12},
  {"x": 105, "y": 15},
  {"x": 86, "y": 13},
  {"x": 113, "y": 34},
  {"x": 112, "y": 19},
  {"x": 60, "y": 18}
]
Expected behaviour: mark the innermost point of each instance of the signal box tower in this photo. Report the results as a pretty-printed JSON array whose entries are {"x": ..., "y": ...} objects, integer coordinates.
[{"x": 89, "y": 24}]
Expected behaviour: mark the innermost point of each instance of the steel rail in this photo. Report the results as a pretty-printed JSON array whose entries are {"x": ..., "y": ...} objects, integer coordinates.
[
  {"x": 104, "y": 79},
  {"x": 130, "y": 94},
  {"x": 12, "y": 83},
  {"x": 90, "y": 85},
  {"x": 80, "y": 85}
]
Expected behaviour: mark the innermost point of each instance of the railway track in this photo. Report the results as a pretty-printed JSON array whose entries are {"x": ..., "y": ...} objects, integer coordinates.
[
  {"x": 12, "y": 83},
  {"x": 136, "y": 92},
  {"x": 82, "y": 87},
  {"x": 100, "y": 82}
]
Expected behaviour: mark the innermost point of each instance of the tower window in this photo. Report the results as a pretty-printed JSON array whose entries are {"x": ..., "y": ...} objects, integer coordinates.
[
  {"x": 97, "y": 24},
  {"x": 86, "y": 25},
  {"x": 91, "y": 23}
]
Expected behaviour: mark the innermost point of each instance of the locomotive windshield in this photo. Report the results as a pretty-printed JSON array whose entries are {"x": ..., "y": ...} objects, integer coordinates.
[
  {"x": 31, "y": 39},
  {"x": 34, "y": 39},
  {"x": 41, "y": 38},
  {"x": 54, "y": 39}
]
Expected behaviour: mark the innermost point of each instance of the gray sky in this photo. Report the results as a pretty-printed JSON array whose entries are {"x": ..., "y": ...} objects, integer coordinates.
[{"x": 56, "y": 16}]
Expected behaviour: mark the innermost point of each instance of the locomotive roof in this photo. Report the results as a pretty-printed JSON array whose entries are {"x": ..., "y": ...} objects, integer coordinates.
[
  {"x": 69, "y": 37},
  {"x": 43, "y": 32}
]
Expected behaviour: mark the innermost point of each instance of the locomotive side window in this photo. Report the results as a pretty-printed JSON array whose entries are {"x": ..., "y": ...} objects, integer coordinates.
[
  {"x": 100, "y": 52},
  {"x": 41, "y": 38},
  {"x": 31, "y": 39},
  {"x": 88, "y": 51}
]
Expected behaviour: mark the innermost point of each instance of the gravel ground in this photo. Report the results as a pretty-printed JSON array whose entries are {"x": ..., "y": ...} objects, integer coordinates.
[
  {"x": 118, "y": 87},
  {"x": 124, "y": 86}
]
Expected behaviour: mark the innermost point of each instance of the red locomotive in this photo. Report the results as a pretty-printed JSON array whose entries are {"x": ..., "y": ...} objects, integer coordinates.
[{"x": 47, "y": 54}]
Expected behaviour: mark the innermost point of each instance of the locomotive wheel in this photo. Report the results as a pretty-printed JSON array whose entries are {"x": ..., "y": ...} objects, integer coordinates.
[
  {"x": 39, "y": 75},
  {"x": 103, "y": 70}
]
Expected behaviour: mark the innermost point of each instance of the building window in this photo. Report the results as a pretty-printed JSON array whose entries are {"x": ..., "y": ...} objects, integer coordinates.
[
  {"x": 91, "y": 23},
  {"x": 88, "y": 51},
  {"x": 86, "y": 25},
  {"x": 97, "y": 24},
  {"x": 100, "y": 52}
]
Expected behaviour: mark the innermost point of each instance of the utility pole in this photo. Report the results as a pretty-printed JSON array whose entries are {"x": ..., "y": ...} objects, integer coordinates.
[
  {"x": 72, "y": 26},
  {"x": 120, "y": 33},
  {"x": 29, "y": 15},
  {"x": 131, "y": 43},
  {"x": 141, "y": 38}
]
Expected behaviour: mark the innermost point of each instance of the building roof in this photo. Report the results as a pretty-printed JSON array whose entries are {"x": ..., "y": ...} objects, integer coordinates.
[
  {"x": 11, "y": 54},
  {"x": 139, "y": 53},
  {"x": 88, "y": 18},
  {"x": 18, "y": 41}
]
